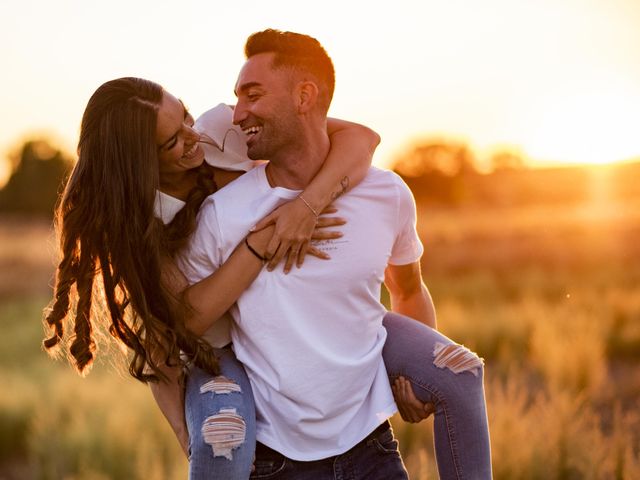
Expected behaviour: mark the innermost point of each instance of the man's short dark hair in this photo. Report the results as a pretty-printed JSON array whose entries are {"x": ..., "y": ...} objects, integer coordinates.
[{"x": 298, "y": 52}]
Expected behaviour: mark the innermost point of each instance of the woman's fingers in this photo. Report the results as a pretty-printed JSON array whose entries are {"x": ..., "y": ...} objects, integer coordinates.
[
  {"x": 292, "y": 256},
  {"x": 275, "y": 251},
  {"x": 295, "y": 253},
  {"x": 264, "y": 223},
  {"x": 321, "y": 235},
  {"x": 303, "y": 252},
  {"x": 317, "y": 253},
  {"x": 329, "y": 209},
  {"x": 330, "y": 222}
]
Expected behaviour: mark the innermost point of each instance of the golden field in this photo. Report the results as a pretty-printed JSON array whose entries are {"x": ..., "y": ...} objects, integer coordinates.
[{"x": 548, "y": 294}]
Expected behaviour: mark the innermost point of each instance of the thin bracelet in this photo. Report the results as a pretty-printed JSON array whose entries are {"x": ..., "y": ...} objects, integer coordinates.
[
  {"x": 252, "y": 250},
  {"x": 308, "y": 205}
]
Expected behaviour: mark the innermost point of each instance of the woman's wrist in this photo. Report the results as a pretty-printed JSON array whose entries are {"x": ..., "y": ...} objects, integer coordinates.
[
  {"x": 254, "y": 251},
  {"x": 317, "y": 199},
  {"x": 310, "y": 207}
]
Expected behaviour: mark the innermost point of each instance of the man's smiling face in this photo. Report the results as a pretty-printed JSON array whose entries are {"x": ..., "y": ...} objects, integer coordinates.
[{"x": 266, "y": 108}]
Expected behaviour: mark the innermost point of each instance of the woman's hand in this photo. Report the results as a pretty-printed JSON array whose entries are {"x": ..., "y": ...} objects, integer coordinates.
[
  {"x": 411, "y": 409},
  {"x": 294, "y": 226}
]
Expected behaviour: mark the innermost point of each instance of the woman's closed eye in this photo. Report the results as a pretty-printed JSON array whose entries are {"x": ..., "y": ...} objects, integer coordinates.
[
  {"x": 172, "y": 143},
  {"x": 189, "y": 122}
]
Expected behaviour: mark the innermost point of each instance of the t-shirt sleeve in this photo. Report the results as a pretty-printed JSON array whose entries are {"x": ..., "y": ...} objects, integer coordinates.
[
  {"x": 203, "y": 254},
  {"x": 407, "y": 247}
]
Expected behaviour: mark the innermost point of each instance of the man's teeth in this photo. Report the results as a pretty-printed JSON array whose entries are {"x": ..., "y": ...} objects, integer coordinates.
[{"x": 251, "y": 130}]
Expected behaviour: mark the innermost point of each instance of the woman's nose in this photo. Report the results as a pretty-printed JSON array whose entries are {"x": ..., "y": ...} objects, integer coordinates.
[{"x": 191, "y": 134}]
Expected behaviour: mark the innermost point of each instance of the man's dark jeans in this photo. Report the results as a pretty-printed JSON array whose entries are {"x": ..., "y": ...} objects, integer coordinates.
[{"x": 374, "y": 458}]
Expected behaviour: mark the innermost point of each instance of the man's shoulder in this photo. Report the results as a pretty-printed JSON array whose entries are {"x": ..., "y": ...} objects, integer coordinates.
[
  {"x": 243, "y": 180},
  {"x": 388, "y": 179},
  {"x": 239, "y": 188},
  {"x": 377, "y": 174}
]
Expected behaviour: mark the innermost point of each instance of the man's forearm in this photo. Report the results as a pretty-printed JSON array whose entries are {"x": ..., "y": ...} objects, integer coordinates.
[{"x": 417, "y": 305}]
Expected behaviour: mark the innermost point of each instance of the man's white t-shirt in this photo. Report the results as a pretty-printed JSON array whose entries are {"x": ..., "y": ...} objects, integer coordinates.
[{"x": 311, "y": 341}]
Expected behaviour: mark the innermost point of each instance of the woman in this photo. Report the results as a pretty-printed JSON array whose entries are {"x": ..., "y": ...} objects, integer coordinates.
[{"x": 136, "y": 139}]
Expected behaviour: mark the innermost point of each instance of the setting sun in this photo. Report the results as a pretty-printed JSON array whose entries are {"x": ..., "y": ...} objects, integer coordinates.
[{"x": 588, "y": 128}]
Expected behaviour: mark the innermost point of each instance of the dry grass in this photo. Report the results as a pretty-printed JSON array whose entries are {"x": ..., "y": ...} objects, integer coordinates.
[
  {"x": 548, "y": 296},
  {"x": 27, "y": 253}
]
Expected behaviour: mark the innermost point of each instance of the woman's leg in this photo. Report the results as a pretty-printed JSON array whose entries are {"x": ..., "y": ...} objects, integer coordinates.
[
  {"x": 451, "y": 377},
  {"x": 220, "y": 417}
]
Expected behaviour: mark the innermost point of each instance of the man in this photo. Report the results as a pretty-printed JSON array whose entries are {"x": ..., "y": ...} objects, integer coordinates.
[{"x": 311, "y": 340}]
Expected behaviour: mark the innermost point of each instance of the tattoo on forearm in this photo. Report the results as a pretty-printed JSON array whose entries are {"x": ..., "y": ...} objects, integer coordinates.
[{"x": 344, "y": 185}]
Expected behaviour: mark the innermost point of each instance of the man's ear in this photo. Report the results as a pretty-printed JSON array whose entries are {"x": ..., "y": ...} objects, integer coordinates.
[{"x": 307, "y": 96}]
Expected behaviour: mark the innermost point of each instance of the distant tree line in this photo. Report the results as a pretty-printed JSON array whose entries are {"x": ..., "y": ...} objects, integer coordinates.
[
  {"x": 439, "y": 172},
  {"x": 38, "y": 172},
  {"x": 446, "y": 173}
]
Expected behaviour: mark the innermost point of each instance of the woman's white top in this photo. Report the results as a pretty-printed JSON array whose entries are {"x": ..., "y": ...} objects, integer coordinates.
[{"x": 231, "y": 154}]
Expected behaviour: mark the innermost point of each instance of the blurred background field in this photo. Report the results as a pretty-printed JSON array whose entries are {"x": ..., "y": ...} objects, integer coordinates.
[{"x": 536, "y": 270}]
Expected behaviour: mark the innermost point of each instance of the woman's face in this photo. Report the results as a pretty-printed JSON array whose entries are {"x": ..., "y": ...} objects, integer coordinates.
[{"x": 178, "y": 147}]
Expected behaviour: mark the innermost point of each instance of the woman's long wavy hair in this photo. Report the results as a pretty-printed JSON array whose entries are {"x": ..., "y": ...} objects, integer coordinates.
[{"x": 112, "y": 245}]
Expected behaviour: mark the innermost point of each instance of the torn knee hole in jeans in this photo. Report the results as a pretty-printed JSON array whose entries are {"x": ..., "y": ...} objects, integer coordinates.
[
  {"x": 456, "y": 358},
  {"x": 224, "y": 431},
  {"x": 220, "y": 385}
]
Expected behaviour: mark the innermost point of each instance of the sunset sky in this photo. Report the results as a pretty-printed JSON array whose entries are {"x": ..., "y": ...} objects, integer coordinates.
[{"x": 559, "y": 80}]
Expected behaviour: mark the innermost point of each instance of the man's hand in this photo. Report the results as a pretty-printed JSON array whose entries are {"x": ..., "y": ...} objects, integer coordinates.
[{"x": 411, "y": 409}]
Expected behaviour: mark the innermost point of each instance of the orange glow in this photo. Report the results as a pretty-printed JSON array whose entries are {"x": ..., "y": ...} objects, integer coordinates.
[
  {"x": 4, "y": 173},
  {"x": 592, "y": 128},
  {"x": 483, "y": 71}
]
